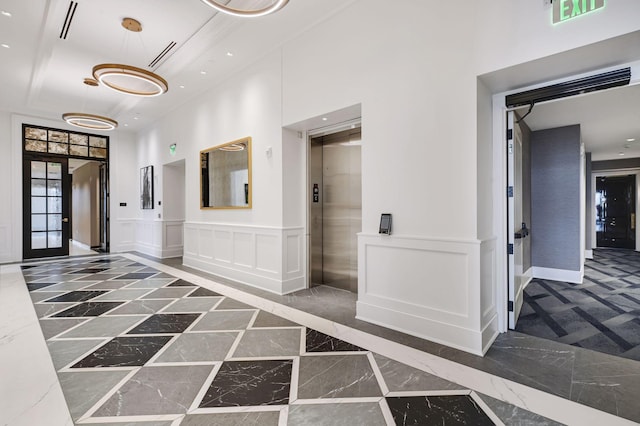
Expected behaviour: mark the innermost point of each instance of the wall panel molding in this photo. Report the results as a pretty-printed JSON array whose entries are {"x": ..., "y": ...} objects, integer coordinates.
[
  {"x": 269, "y": 258},
  {"x": 430, "y": 288},
  {"x": 158, "y": 238}
]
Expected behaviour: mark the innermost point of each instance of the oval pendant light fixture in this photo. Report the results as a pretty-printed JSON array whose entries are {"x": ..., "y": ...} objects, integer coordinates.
[
  {"x": 246, "y": 13},
  {"x": 130, "y": 80},
  {"x": 127, "y": 78},
  {"x": 89, "y": 121}
]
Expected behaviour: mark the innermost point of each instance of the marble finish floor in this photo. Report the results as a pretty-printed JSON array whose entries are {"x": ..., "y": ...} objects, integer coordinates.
[
  {"x": 151, "y": 345},
  {"x": 601, "y": 314}
]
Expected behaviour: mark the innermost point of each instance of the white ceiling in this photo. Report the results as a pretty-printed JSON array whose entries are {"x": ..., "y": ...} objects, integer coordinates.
[{"x": 42, "y": 74}]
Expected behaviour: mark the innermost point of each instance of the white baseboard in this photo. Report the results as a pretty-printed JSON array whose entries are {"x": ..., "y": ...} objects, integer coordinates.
[
  {"x": 557, "y": 274},
  {"x": 527, "y": 277},
  {"x": 588, "y": 254}
]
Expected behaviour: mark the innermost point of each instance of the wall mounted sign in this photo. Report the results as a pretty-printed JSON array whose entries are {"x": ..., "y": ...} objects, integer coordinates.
[
  {"x": 172, "y": 149},
  {"x": 564, "y": 10}
]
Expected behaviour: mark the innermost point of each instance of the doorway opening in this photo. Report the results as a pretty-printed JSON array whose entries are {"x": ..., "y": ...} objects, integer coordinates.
[
  {"x": 51, "y": 216},
  {"x": 173, "y": 209},
  {"x": 335, "y": 208},
  {"x": 570, "y": 298}
]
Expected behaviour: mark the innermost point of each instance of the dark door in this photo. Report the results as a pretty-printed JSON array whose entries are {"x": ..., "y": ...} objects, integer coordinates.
[
  {"x": 615, "y": 211},
  {"x": 45, "y": 207}
]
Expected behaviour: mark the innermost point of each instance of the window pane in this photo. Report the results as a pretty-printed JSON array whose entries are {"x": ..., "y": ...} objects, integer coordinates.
[
  {"x": 55, "y": 222},
  {"x": 38, "y": 222},
  {"x": 98, "y": 152},
  {"x": 38, "y": 204},
  {"x": 38, "y": 169},
  {"x": 55, "y": 171},
  {"x": 81, "y": 151},
  {"x": 54, "y": 239},
  {"x": 56, "y": 136},
  {"x": 33, "y": 133},
  {"x": 37, "y": 146},
  {"x": 54, "y": 188},
  {"x": 58, "y": 148},
  {"x": 55, "y": 204},
  {"x": 38, "y": 187},
  {"x": 79, "y": 139},
  {"x": 38, "y": 240},
  {"x": 99, "y": 142}
]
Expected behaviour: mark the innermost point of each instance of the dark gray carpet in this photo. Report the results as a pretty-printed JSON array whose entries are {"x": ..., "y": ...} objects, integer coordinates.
[{"x": 601, "y": 314}]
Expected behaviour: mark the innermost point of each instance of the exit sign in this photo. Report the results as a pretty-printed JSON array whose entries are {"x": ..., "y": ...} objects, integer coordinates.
[{"x": 563, "y": 10}]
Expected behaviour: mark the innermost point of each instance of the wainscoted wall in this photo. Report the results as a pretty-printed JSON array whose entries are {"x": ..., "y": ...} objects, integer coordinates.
[
  {"x": 158, "y": 238},
  {"x": 269, "y": 258},
  {"x": 439, "y": 301}
]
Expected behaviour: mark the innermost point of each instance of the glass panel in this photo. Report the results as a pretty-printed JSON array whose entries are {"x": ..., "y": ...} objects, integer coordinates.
[
  {"x": 33, "y": 133},
  {"x": 38, "y": 240},
  {"x": 58, "y": 148},
  {"x": 38, "y": 222},
  {"x": 79, "y": 139},
  {"x": 81, "y": 151},
  {"x": 55, "y": 171},
  {"x": 37, "y": 146},
  {"x": 38, "y": 204},
  {"x": 38, "y": 187},
  {"x": 55, "y": 239},
  {"x": 54, "y": 188},
  {"x": 38, "y": 170},
  {"x": 98, "y": 152},
  {"x": 55, "y": 204},
  {"x": 55, "y": 222},
  {"x": 56, "y": 136},
  {"x": 96, "y": 141}
]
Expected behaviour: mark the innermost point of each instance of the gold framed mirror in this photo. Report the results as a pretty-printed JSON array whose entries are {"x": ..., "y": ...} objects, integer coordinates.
[{"x": 225, "y": 176}]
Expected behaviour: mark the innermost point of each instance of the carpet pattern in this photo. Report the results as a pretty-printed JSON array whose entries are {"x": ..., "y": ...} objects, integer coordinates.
[{"x": 601, "y": 314}]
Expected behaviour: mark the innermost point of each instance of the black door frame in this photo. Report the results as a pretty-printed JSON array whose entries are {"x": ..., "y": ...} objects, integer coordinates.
[{"x": 27, "y": 251}]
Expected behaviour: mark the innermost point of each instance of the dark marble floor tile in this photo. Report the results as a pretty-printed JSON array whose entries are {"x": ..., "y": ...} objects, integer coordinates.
[
  {"x": 204, "y": 292},
  {"x": 89, "y": 271},
  {"x": 76, "y": 296},
  {"x": 165, "y": 323},
  {"x": 38, "y": 286},
  {"x": 512, "y": 415},
  {"x": 437, "y": 410},
  {"x": 88, "y": 309},
  {"x": 250, "y": 383},
  {"x": 128, "y": 351},
  {"x": 268, "y": 418},
  {"x": 179, "y": 283},
  {"x": 320, "y": 342},
  {"x": 135, "y": 276}
]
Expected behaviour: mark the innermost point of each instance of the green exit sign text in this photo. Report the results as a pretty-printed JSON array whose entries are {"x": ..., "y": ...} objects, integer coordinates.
[{"x": 563, "y": 10}]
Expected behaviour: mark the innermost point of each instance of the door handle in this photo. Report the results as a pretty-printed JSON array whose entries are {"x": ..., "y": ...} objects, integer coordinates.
[{"x": 65, "y": 219}]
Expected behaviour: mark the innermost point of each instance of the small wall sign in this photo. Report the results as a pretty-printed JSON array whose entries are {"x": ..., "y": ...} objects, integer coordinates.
[{"x": 564, "y": 10}]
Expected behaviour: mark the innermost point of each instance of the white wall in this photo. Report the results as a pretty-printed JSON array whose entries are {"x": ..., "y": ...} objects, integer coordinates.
[
  {"x": 7, "y": 177},
  {"x": 85, "y": 193}
]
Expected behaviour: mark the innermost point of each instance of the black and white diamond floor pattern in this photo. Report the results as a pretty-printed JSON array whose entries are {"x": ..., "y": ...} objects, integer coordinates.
[
  {"x": 601, "y": 314},
  {"x": 136, "y": 346}
]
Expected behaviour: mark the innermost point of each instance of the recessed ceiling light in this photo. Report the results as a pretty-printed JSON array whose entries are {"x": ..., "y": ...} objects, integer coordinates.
[
  {"x": 631, "y": 139},
  {"x": 6, "y": 46},
  {"x": 229, "y": 53},
  {"x": 324, "y": 118},
  {"x": 182, "y": 86},
  {"x": 621, "y": 153},
  {"x": 7, "y": 14},
  {"x": 135, "y": 118},
  {"x": 126, "y": 125},
  {"x": 203, "y": 72}
]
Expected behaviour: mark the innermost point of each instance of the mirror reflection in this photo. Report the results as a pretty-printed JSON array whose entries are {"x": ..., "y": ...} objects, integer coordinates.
[{"x": 225, "y": 178}]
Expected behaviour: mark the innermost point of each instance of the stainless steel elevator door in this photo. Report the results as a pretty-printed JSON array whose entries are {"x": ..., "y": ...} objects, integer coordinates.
[{"x": 336, "y": 216}]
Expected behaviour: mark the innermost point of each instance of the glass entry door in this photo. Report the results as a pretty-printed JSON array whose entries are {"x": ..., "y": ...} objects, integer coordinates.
[{"x": 45, "y": 207}]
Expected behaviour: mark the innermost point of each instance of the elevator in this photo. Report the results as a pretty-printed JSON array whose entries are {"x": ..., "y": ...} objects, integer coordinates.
[{"x": 335, "y": 208}]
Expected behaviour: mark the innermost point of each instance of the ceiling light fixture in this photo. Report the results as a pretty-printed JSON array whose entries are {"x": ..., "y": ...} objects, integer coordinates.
[
  {"x": 5, "y": 45},
  {"x": 229, "y": 53},
  {"x": 631, "y": 140},
  {"x": 89, "y": 121},
  {"x": 247, "y": 13},
  {"x": 7, "y": 14},
  {"x": 127, "y": 78}
]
